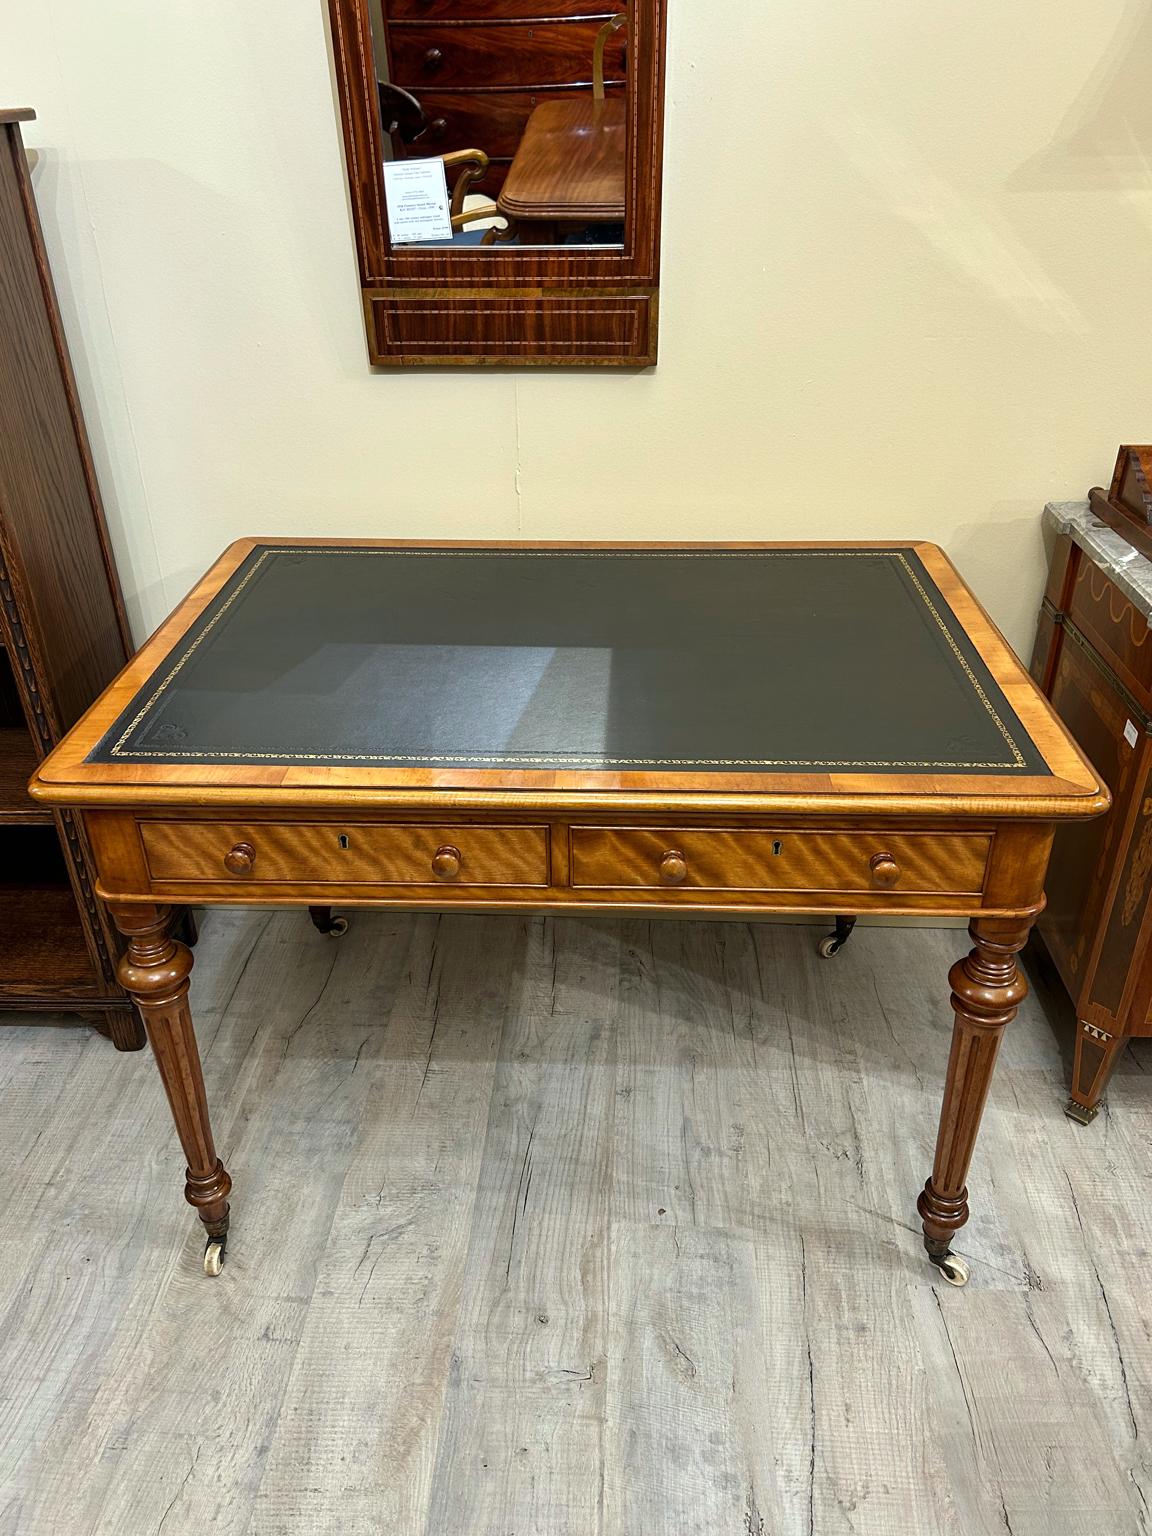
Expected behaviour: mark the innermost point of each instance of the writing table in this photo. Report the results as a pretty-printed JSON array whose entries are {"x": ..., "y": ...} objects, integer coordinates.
[
  {"x": 570, "y": 168},
  {"x": 678, "y": 729}
]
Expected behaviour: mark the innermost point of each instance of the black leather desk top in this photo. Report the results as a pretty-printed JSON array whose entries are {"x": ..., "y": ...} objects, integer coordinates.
[{"x": 777, "y": 660}]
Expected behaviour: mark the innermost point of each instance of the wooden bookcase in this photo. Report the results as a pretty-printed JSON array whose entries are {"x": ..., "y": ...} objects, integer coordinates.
[{"x": 63, "y": 634}]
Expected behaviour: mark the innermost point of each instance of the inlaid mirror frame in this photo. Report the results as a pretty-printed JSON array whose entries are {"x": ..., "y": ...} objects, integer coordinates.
[{"x": 590, "y": 306}]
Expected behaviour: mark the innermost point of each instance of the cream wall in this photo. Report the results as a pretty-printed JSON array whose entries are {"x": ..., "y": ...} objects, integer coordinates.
[{"x": 907, "y": 291}]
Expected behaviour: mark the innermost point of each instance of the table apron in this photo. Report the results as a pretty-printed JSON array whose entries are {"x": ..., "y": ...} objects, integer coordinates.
[{"x": 501, "y": 863}]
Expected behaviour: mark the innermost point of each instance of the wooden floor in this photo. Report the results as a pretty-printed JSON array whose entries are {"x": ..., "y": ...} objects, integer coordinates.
[{"x": 559, "y": 1228}]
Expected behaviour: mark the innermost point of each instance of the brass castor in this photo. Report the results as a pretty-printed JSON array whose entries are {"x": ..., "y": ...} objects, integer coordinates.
[
  {"x": 953, "y": 1268},
  {"x": 339, "y": 926},
  {"x": 1081, "y": 1113},
  {"x": 833, "y": 943},
  {"x": 214, "y": 1256}
]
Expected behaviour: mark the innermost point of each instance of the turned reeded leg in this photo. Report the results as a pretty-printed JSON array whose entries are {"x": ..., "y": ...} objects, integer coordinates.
[
  {"x": 987, "y": 988},
  {"x": 155, "y": 970}
]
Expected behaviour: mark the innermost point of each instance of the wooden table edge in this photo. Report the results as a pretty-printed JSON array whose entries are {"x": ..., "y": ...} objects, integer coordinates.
[{"x": 1079, "y": 806}]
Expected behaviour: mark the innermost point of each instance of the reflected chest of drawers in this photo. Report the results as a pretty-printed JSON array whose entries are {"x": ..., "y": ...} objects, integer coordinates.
[{"x": 479, "y": 68}]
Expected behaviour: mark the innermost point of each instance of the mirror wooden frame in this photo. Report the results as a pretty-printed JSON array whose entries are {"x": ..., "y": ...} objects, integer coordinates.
[{"x": 589, "y": 306}]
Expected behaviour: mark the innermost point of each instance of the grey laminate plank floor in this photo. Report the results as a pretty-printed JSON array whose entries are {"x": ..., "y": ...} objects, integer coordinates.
[{"x": 587, "y": 1227}]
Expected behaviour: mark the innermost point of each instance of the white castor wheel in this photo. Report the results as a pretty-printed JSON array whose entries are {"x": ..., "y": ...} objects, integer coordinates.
[
  {"x": 832, "y": 943},
  {"x": 953, "y": 1268},
  {"x": 325, "y": 923},
  {"x": 214, "y": 1256}
]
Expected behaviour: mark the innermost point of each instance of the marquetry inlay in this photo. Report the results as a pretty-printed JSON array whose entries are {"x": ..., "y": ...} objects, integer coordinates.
[{"x": 1096, "y": 1034}]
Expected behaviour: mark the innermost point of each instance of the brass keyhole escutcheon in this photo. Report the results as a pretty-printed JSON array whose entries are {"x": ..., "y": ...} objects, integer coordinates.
[
  {"x": 342, "y": 840},
  {"x": 777, "y": 849}
]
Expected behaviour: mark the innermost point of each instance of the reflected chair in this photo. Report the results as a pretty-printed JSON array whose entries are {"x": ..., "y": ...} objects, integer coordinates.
[{"x": 404, "y": 121}]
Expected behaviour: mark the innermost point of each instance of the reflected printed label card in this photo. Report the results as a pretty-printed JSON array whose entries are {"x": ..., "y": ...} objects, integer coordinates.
[{"x": 417, "y": 195}]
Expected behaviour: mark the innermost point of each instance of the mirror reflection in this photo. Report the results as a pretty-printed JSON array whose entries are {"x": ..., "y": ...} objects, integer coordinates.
[{"x": 522, "y": 105}]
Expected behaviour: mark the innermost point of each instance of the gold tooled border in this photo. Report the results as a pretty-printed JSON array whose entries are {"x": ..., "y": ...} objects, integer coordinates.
[{"x": 562, "y": 760}]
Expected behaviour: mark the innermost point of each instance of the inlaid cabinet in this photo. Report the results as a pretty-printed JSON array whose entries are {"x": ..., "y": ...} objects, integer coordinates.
[{"x": 1093, "y": 659}]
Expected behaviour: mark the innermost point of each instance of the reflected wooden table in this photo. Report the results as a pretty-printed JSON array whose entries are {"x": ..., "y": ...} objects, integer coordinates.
[
  {"x": 569, "y": 169},
  {"x": 689, "y": 730}
]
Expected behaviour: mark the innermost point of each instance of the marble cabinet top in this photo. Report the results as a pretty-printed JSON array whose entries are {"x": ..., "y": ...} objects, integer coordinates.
[{"x": 1122, "y": 564}]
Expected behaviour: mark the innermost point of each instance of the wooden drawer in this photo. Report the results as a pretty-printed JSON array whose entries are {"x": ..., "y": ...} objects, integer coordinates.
[
  {"x": 493, "y": 122},
  {"x": 704, "y": 858},
  {"x": 489, "y": 10},
  {"x": 344, "y": 853},
  {"x": 548, "y": 53}
]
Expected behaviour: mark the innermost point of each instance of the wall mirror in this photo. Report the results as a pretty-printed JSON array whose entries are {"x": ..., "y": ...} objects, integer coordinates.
[{"x": 504, "y": 163}]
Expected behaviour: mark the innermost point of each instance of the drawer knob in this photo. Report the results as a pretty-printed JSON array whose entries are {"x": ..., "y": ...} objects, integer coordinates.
[
  {"x": 673, "y": 867},
  {"x": 446, "y": 862},
  {"x": 885, "y": 870},
  {"x": 433, "y": 58},
  {"x": 239, "y": 860}
]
